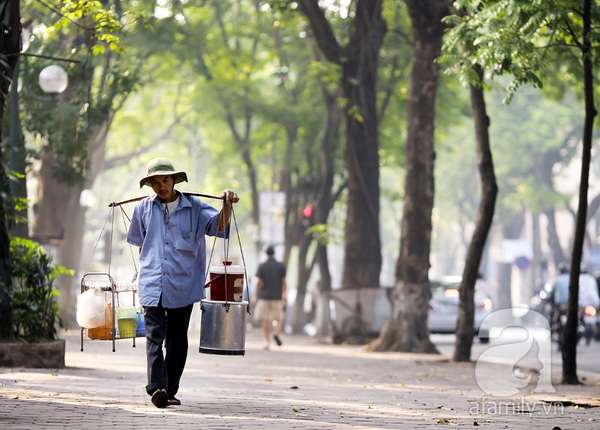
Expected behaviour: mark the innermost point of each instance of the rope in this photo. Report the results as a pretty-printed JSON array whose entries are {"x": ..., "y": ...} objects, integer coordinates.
[
  {"x": 123, "y": 216},
  {"x": 226, "y": 244},
  {"x": 225, "y": 256},
  {"x": 237, "y": 231},
  {"x": 96, "y": 245},
  {"x": 112, "y": 228},
  {"x": 212, "y": 250},
  {"x": 226, "y": 259}
]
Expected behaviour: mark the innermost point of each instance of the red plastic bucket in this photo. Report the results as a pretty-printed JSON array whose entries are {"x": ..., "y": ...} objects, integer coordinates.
[{"x": 226, "y": 282}]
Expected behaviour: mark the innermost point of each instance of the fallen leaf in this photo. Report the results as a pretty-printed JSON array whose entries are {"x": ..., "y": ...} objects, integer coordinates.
[
  {"x": 443, "y": 421},
  {"x": 268, "y": 380}
]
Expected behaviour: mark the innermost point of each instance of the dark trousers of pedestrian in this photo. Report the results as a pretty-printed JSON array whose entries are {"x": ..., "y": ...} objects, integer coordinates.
[{"x": 168, "y": 327}]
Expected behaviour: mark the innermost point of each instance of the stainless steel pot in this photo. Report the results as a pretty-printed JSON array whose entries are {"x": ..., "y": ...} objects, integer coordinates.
[{"x": 223, "y": 327}]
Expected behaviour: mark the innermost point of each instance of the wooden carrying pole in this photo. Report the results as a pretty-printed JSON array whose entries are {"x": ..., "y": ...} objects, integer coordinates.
[{"x": 208, "y": 196}]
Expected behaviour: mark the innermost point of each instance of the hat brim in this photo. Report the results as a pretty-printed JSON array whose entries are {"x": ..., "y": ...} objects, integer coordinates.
[{"x": 179, "y": 177}]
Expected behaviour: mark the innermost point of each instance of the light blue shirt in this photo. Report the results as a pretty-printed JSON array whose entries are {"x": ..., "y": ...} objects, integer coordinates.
[
  {"x": 173, "y": 249},
  {"x": 588, "y": 290}
]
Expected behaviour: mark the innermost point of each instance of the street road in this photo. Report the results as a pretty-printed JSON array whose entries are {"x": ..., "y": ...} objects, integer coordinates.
[{"x": 587, "y": 355}]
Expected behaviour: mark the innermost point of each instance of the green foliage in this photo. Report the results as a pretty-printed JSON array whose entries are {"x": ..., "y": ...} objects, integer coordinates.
[
  {"x": 523, "y": 39},
  {"x": 89, "y": 34},
  {"x": 532, "y": 138},
  {"x": 100, "y": 20},
  {"x": 325, "y": 234},
  {"x": 32, "y": 296}
]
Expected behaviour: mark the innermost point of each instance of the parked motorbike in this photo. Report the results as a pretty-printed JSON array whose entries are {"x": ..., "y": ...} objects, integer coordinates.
[
  {"x": 560, "y": 320},
  {"x": 542, "y": 301}
]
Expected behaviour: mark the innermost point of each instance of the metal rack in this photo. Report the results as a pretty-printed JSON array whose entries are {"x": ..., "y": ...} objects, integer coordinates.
[
  {"x": 112, "y": 289},
  {"x": 115, "y": 293}
]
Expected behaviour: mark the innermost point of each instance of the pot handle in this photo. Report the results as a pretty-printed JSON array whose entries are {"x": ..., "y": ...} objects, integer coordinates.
[{"x": 207, "y": 285}]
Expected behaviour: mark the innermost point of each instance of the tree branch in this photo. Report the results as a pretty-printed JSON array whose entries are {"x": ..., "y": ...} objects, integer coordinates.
[{"x": 322, "y": 31}]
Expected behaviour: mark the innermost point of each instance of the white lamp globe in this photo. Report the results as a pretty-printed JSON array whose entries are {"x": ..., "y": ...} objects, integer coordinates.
[
  {"x": 87, "y": 198},
  {"x": 53, "y": 79}
]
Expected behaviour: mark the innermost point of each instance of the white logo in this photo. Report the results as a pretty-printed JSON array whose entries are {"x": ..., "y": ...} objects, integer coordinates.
[{"x": 521, "y": 358}]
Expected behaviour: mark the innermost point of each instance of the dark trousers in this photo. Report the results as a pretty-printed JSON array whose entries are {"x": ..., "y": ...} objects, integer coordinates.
[{"x": 164, "y": 371}]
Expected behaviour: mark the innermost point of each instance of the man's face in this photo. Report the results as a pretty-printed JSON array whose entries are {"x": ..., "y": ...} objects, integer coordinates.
[{"x": 163, "y": 186}]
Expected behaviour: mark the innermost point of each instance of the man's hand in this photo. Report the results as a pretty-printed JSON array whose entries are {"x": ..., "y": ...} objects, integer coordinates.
[{"x": 229, "y": 197}]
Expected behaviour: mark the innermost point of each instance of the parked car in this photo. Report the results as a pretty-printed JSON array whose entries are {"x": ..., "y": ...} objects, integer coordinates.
[{"x": 443, "y": 307}]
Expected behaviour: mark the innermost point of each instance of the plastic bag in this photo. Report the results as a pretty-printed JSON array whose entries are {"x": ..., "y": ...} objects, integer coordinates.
[{"x": 91, "y": 309}]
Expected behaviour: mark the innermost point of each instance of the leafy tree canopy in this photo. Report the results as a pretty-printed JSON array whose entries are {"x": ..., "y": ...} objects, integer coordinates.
[{"x": 531, "y": 41}]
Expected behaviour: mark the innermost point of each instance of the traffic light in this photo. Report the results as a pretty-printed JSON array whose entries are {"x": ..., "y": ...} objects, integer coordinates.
[{"x": 307, "y": 211}]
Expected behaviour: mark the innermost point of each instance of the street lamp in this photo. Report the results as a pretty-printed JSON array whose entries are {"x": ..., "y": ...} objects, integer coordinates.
[{"x": 53, "y": 79}]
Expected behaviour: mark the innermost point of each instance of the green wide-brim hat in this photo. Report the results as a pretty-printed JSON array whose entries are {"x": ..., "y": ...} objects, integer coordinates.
[{"x": 162, "y": 167}]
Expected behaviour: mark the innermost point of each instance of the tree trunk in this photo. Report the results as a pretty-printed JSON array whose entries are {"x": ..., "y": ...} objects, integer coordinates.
[
  {"x": 321, "y": 183},
  {"x": 51, "y": 207},
  {"x": 70, "y": 256},
  {"x": 362, "y": 250},
  {"x": 5, "y": 266},
  {"x": 406, "y": 328},
  {"x": 323, "y": 291},
  {"x": 60, "y": 218},
  {"x": 304, "y": 271},
  {"x": 9, "y": 50},
  {"x": 489, "y": 191},
  {"x": 294, "y": 199},
  {"x": 359, "y": 62},
  {"x": 20, "y": 226},
  {"x": 323, "y": 205},
  {"x": 569, "y": 350}
]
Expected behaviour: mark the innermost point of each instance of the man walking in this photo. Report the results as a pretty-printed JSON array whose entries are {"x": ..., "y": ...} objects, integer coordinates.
[
  {"x": 170, "y": 228},
  {"x": 271, "y": 296}
]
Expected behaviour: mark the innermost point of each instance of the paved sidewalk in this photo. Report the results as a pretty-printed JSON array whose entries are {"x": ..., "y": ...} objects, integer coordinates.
[{"x": 300, "y": 385}]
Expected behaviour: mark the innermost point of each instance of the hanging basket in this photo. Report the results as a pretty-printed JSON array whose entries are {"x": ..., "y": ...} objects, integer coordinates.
[{"x": 223, "y": 321}]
